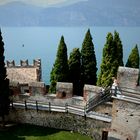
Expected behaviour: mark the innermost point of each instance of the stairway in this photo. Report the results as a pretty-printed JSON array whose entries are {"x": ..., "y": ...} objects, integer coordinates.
[{"x": 95, "y": 101}]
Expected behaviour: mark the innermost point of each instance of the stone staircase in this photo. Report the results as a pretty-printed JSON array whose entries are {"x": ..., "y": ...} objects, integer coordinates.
[{"x": 100, "y": 98}]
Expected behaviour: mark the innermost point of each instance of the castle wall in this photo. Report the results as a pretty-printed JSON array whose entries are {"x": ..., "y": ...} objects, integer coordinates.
[
  {"x": 37, "y": 88},
  {"x": 90, "y": 91},
  {"x": 126, "y": 107},
  {"x": 24, "y": 73},
  {"x": 104, "y": 108},
  {"x": 64, "y": 90},
  {"x": 66, "y": 121},
  {"x": 125, "y": 119},
  {"x": 127, "y": 77}
]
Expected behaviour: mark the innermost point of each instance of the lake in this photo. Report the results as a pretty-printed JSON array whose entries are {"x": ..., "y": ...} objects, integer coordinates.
[{"x": 42, "y": 42}]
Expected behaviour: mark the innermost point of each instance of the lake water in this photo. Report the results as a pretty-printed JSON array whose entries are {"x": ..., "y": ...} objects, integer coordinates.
[{"x": 42, "y": 42}]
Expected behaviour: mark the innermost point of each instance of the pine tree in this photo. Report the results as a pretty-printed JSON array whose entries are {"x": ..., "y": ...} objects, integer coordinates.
[
  {"x": 119, "y": 48},
  {"x": 60, "y": 70},
  {"x": 4, "y": 83},
  {"x": 107, "y": 69},
  {"x": 134, "y": 58},
  {"x": 112, "y": 59},
  {"x": 75, "y": 70},
  {"x": 88, "y": 61}
]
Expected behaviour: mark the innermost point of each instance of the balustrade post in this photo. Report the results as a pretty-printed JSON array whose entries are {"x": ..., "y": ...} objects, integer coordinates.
[
  {"x": 49, "y": 107},
  {"x": 36, "y": 106},
  {"x": 66, "y": 107},
  {"x": 12, "y": 104},
  {"x": 25, "y": 105},
  {"x": 85, "y": 116}
]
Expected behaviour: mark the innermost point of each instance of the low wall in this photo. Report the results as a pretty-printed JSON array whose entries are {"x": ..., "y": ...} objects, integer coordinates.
[
  {"x": 104, "y": 108},
  {"x": 66, "y": 121}
]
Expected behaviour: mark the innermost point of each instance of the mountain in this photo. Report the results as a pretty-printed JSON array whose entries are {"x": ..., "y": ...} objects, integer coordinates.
[{"x": 84, "y": 13}]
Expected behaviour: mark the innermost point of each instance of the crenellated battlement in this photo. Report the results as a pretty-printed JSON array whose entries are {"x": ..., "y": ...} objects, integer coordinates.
[
  {"x": 24, "y": 63},
  {"x": 24, "y": 72}
]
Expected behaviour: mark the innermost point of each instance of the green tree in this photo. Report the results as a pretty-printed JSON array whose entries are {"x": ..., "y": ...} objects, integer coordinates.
[
  {"x": 119, "y": 48},
  {"x": 112, "y": 58},
  {"x": 107, "y": 69},
  {"x": 75, "y": 70},
  {"x": 88, "y": 61},
  {"x": 4, "y": 83},
  {"x": 60, "y": 70},
  {"x": 134, "y": 58}
]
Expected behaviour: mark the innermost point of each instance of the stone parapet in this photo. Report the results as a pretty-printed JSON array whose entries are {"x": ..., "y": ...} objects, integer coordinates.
[
  {"x": 64, "y": 90},
  {"x": 91, "y": 91},
  {"x": 128, "y": 77},
  {"x": 24, "y": 73}
]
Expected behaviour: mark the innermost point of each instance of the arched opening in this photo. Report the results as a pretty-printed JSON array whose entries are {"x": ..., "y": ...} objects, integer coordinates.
[{"x": 63, "y": 94}]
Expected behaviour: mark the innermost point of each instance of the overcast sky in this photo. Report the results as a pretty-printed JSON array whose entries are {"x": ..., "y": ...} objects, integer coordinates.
[{"x": 43, "y": 3}]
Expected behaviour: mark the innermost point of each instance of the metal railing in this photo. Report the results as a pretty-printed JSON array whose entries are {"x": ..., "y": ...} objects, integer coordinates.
[
  {"x": 67, "y": 108},
  {"x": 48, "y": 107},
  {"x": 95, "y": 101}
]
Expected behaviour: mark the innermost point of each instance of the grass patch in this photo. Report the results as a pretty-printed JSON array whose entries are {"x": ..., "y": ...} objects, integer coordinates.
[{"x": 31, "y": 132}]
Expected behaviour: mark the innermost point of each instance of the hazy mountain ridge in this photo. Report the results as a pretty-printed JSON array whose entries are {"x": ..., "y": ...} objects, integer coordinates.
[{"x": 85, "y": 13}]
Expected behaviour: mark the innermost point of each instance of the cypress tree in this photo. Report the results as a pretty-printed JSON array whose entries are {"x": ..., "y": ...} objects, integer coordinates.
[
  {"x": 107, "y": 68},
  {"x": 4, "y": 83},
  {"x": 134, "y": 58},
  {"x": 88, "y": 61},
  {"x": 60, "y": 70},
  {"x": 75, "y": 70},
  {"x": 111, "y": 60},
  {"x": 119, "y": 48}
]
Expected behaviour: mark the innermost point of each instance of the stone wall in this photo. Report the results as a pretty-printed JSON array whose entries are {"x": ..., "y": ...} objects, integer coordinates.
[
  {"x": 104, "y": 108},
  {"x": 125, "y": 120},
  {"x": 64, "y": 90},
  {"x": 24, "y": 73},
  {"x": 37, "y": 88},
  {"x": 66, "y": 121},
  {"x": 127, "y": 77},
  {"x": 91, "y": 91}
]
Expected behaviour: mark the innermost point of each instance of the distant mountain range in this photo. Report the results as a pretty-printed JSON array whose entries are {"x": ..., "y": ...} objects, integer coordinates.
[{"x": 84, "y": 13}]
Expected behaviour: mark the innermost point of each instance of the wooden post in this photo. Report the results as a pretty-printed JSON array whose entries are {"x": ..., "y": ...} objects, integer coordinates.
[
  {"x": 49, "y": 107},
  {"x": 25, "y": 105},
  {"x": 36, "y": 106},
  {"x": 85, "y": 116},
  {"x": 104, "y": 135},
  {"x": 12, "y": 104},
  {"x": 66, "y": 107}
]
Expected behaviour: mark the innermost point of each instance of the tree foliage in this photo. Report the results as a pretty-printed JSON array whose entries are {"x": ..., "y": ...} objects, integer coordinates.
[
  {"x": 119, "y": 48},
  {"x": 4, "y": 83},
  {"x": 60, "y": 70},
  {"x": 75, "y": 70},
  {"x": 112, "y": 58},
  {"x": 88, "y": 61},
  {"x": 134, "y": 58}
]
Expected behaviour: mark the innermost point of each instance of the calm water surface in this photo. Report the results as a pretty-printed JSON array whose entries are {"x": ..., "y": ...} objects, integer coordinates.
[{"x": 42, "y": 42}]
